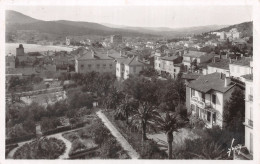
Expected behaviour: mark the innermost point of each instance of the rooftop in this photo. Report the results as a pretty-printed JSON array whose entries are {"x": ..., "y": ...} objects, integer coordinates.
[
  {"x": 242, "y": 62},
  {"x": 214, "y": 81},
  {"x": 248, "y": 77},
  {"x": 222, "y": 63},
  {"x": 131, "y": 61},
  {"x": 195, "y": 54},
  {"x": 170, "y": 58},
  {"x": 191, "y": 76}
]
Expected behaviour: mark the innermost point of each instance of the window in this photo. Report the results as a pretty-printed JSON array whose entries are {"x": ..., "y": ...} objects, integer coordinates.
[
  {"x": 159, "y": 65},
  {"x": 82, "y": 66},
  {"x": 174, "y": 70},
  {"x": 104, "y": 65},
  {"x": 208, "y": 116},
  {"x": 89, "y": 65},
  {"x": 203, "y": 97},
  {"x": 214, "y": 118},
  {"x": 192, "y": 92},
  {"x": 214, "y": 99}
]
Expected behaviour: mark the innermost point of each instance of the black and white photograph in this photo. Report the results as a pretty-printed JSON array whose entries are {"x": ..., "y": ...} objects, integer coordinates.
[{"x": 122, "y": 82}]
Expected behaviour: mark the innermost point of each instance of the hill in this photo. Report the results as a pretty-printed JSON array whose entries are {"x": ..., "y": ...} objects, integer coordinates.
[
  {"x": 13, "y": 17},
  {"x": 245, "y": 28},
  {"x": 16, "y": 21}
]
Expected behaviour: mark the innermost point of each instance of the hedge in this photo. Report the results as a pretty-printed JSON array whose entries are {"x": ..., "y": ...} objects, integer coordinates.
[
  {"x": 53, "y": 131},
  {"x": 19, "y": 139},
  {"x": 82, "y": 152}
]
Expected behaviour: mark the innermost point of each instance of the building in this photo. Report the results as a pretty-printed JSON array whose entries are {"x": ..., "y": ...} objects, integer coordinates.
[
  {"x": 241, "y": 67},
  {"x": 67, "y": 41},
  {"x": 20, "y": 50},
  {"x": 116, "y": 39},
  {"x": 205, "y": 97},
  {"x": 129, "y": 66},
  {"x": 249, "y": 112},
  {"x": 218, "y": 65},
  {"x": 9, "y": 62},
  {"x": 195, "y": 56},
  {"x": 97, "y": 61},
  {"x": 168, "y": 65}
]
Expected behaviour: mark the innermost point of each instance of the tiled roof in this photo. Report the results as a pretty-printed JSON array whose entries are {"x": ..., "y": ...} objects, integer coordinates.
[
  {"x": 131, "y": 61},
  {"x": 190, "y": 76},
  {"x": 222, "y": 63},
  {"x": 248, "y": 76},
  {"x": 209, "y": 82},
  {"x": 242, "y": 62},
  {"x": 195, "y": 54},
  {"x": 89, "y": 56},
  {"x": 170, "y": 58}
]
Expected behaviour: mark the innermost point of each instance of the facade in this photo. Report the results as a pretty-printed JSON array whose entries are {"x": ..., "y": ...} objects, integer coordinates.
[
  {"x": 200, "y": 57},
  {"x": 20, "y": 50},
  {"x": 96, "y": 61},
  {"x": 116, "y": 39},
  {"x": 129, "y": 66},
  {"x": 205, "y": 97},
  {"x": 218, "y": 65},
  {"x": 168, "y": 65},
  {"x": 249, "y": 112},
  {"x": 238, "y": 68}
]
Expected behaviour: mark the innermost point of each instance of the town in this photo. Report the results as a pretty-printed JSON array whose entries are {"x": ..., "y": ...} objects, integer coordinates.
[{"x": 121, "y": 97}]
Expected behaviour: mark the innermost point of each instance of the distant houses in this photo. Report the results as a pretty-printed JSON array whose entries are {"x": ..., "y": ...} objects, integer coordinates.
[{"x": 129, "y": 66}]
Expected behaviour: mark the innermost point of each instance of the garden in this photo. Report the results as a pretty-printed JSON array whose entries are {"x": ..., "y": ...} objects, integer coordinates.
[
  {"x": 44, "y": 148},
  {"x": 94, "y": 141}
]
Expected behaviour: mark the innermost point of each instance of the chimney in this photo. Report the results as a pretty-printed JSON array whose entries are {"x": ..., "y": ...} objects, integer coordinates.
[
  {"x": 230, "y": 61},
  {"x": 220, "y": 56},
  {"x": 227, "y": 80},
  {"x": 236, "y": 58},
  {"x": 120, "y": 54},
  {"x": 242, "y": 55}
]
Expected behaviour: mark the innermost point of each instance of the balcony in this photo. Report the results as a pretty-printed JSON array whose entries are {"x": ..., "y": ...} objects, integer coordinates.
[
  {"x": 250, "y": 98},
  {"x": 249, "y": 123}
]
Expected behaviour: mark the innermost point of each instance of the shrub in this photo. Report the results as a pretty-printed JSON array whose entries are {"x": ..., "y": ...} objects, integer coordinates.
[{"x": 43, "y": 148}]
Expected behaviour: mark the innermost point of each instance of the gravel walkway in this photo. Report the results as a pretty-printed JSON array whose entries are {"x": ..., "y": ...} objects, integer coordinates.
[{"x": 126, "y": 146}]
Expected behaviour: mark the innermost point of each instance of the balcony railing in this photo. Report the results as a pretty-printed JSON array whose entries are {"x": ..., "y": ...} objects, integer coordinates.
[
  {"x": 248, "y": 122},
  {"x": 250, "y": 97}
]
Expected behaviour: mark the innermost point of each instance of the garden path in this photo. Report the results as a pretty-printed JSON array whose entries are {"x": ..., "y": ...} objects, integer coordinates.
[
  {"x": 125, "y": 145},
  {"x": 57, "y": 135}
]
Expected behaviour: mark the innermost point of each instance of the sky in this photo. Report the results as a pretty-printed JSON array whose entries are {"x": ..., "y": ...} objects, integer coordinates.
[{"x": 143, "y": 16}]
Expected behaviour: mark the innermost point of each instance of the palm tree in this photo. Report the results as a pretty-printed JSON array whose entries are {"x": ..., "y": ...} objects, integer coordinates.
[
  {"x": 143, "y": 117},
  {"x": 169, "y": 123},
  {"x": 126, "y": 107}
]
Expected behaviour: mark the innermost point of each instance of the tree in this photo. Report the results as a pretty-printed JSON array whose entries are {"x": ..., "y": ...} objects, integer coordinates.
[
  {"x": 169, "y": 123},
  {"x": 126, "y": 107},
  {"x": 143, "y": 117},
  {"x": 113, "y": 99},
  {"x": 234, "y": 111}
]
